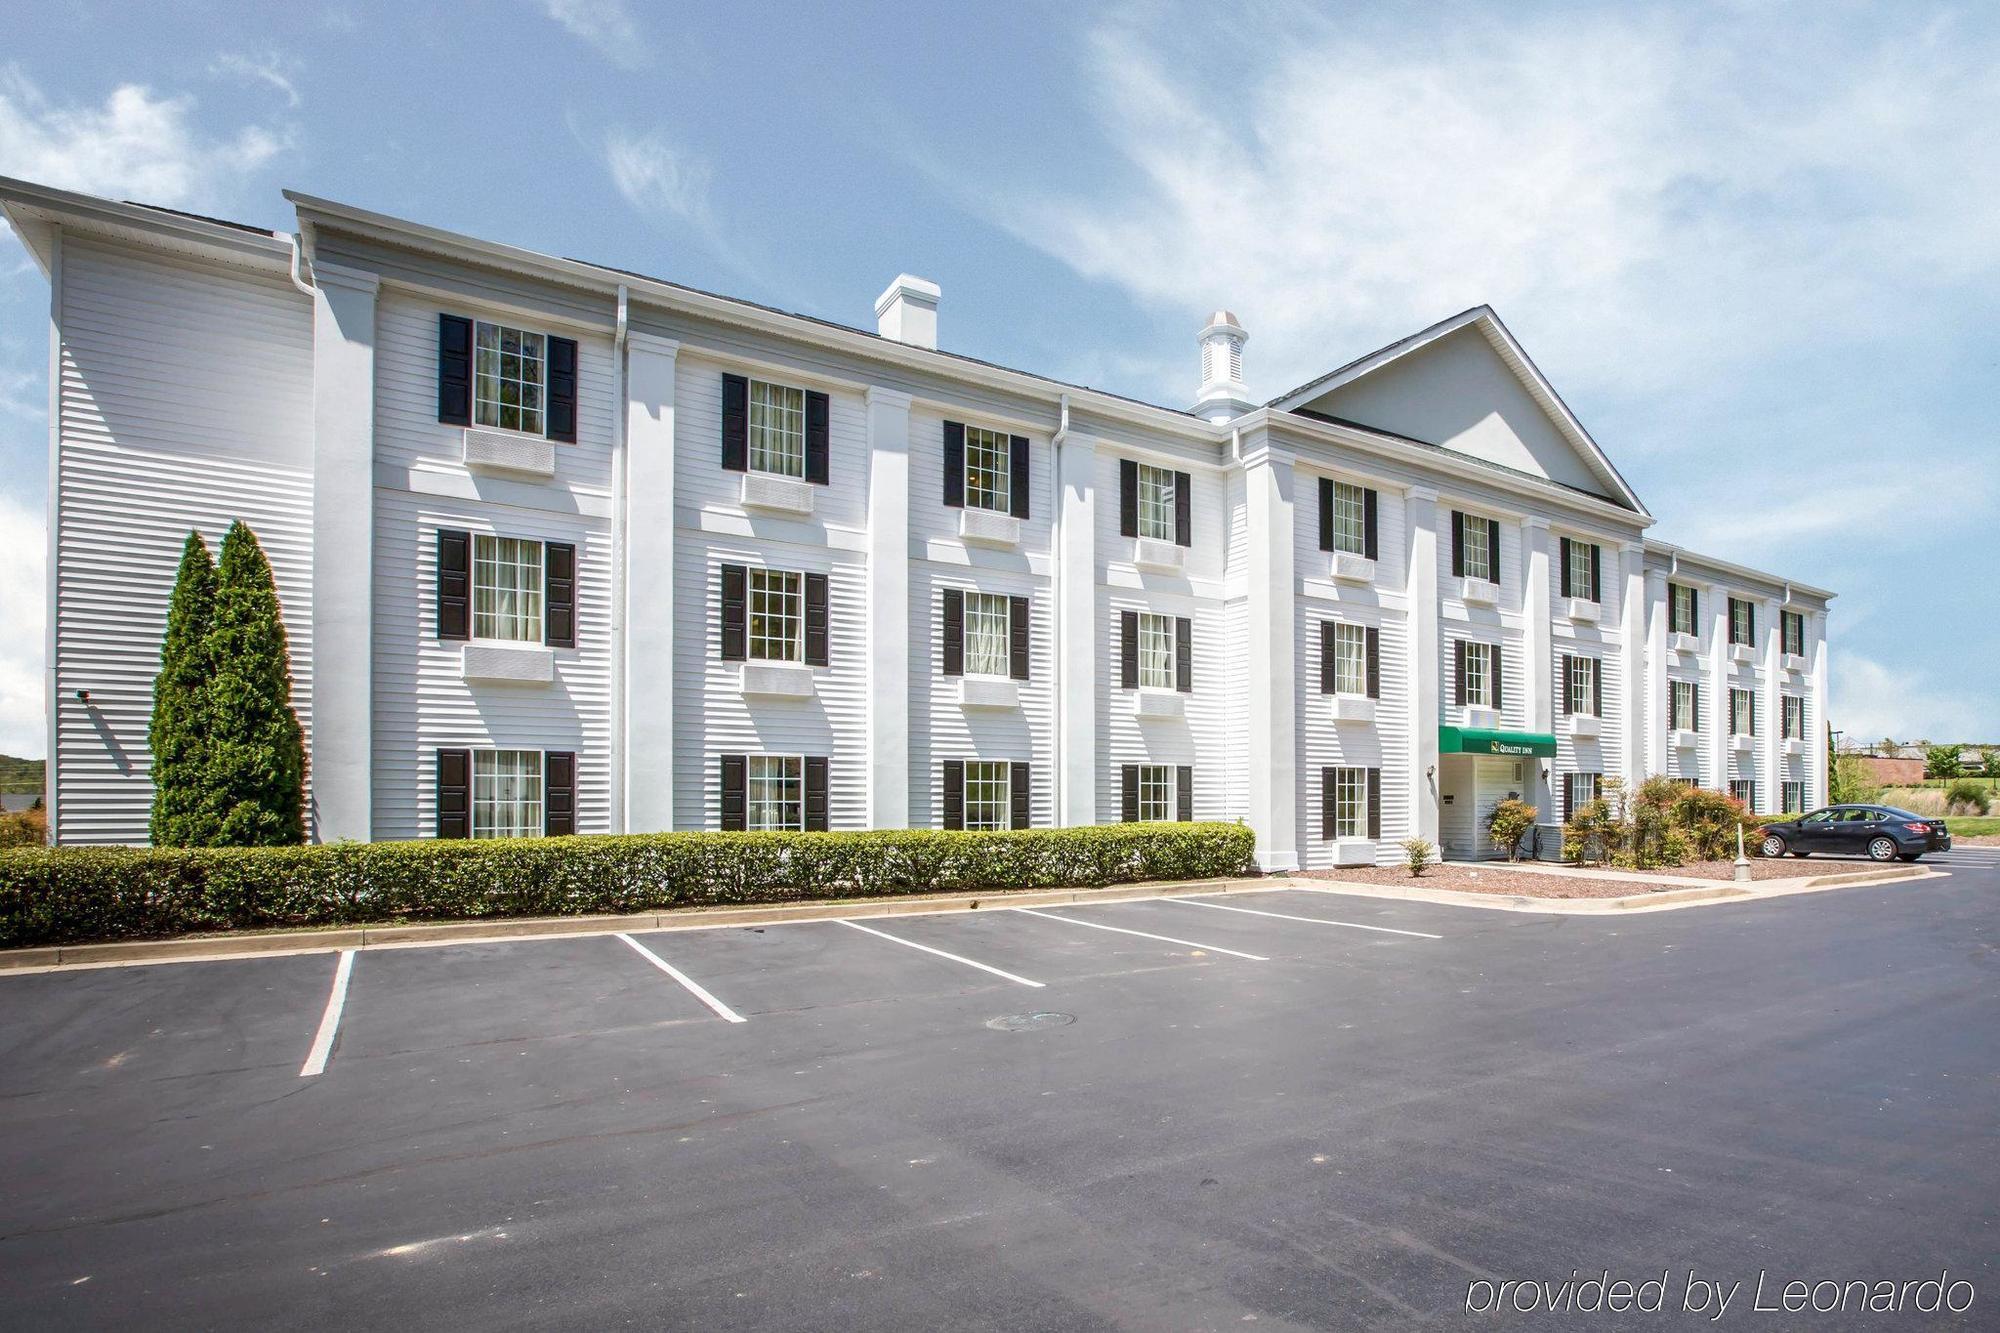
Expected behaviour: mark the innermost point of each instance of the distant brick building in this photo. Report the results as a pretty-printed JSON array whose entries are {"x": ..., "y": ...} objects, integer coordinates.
[{"x": 1893, "y": 772}]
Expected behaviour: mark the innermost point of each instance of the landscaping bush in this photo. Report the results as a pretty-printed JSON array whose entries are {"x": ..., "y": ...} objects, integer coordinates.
[
  {"x": 25, "y": 828},
  {"x": 1707, "y": 822},
  {"x": 1417, "y": 854},
  {"x": 1508, "y": 824},
  {"x": 72, "y": 894},
  {"x": 1966, "y": 797},
  {"x": 1593, "y": 835}
]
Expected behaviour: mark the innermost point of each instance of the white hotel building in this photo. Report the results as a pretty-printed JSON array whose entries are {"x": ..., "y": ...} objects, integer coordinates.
[{"x": 562, "y": 547}]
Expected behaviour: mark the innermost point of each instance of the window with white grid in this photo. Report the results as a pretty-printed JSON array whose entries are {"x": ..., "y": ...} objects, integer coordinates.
[
  {"x": 1156, "y": 503},
  {"x": 1680, "y": 706},
  {"x": 988, "y": 634},
  {"x": 507, "y": 378},
  {"x": 1156, "y": 651},
  {"x": 777, "y": 429},
  {"x": 1350, "y": 802},
  {"x": 506, "y": 793},
  {"x": 506, "y": 589},
  {"x": 1742, "y": 622},
  {"x": 1156, "y": 792},
  {"x": 1680, "y": 609},
  {"x": 777, "y": 615},
  {"x": 1742, "y": 713},
  {"x": 1477, "y": 554},
  {"x": 1580, "y": 554},
  {"x": 1350, "y": 659},
  {"x": 774, "y": 793},
  {"x": 1582, "y": 686},
  {"x": 1794, "y": 794},
  {"x": 1794, "y": 627},
  {"x": 1478, "y": 675},
  {"x": 1350, "y": 518},
  {"x": 988, "y": 802},
  {"x": 1744, "y": 790},
  {"x": 1795, "y": 716},
  {"x": 1582, "y": 789},
  {"x": 988, "y": 469}
]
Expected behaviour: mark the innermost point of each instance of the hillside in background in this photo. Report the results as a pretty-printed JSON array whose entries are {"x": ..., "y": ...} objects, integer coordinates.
[{"x": 20, "y": 774}]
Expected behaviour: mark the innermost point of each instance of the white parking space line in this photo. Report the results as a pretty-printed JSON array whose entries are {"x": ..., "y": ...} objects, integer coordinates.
[
  {"x": 1312, "y": 920},
  {"x": 694, "y": 987},
  {"x": 1143, "y": 934},
  {"x": 329, "y": 1022},
  {"x": 912, "y": 944}
]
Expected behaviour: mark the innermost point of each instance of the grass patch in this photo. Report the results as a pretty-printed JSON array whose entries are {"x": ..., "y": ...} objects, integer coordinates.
[{"x": 1973, "y": 826}]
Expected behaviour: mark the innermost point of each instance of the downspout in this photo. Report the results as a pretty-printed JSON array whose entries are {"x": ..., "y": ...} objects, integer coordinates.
[
  {"x": 1056, "y": 580},
  {"x": 298, "y": 258},
  {"x": 620, "y": 786}
]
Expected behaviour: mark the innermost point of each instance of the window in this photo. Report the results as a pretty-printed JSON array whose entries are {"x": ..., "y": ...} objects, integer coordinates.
[
  {"x": 1156, "y": 503},
  {"x": 1794, "y": 627},
  {"x": 988, "y": 468},
  {"x": 1580, "y": 561},
  {"x": 1350, "y": 802},
  {"x": 1742, "y": 713},
  {"x": 1350, "y": 518},
  {"x": 1478, "y": 553},
  {"x": 1681, "y": 706},
  {"x": 1156, "y": 793},
  {"x": 507, "y": 378},
  {"x": 987, "y": 798},
  {"x": 988, "y": 634},
  {"x": 1350, "y": 659},
  {"x": 1794, "y": 794},
  {"x": 1680, "y": 610},
  {"x": 777, "y": 429},
  {"x": 1794, "y": 716},
  {"x": 506, "y": 589},
  {"x": 1580, "y": 789},
  {"x": 1479, "y": 673},
  {"x": 777, "y": 615},
  {"x": 507, "y": 794},
  {"x": 1744, "y": 790},
  {"x": 1742, "y": 622},
  {"x": 1156, "y": 651},
  {"x": 1582, "y": 686},
  {"x": 774, "y": 793}
]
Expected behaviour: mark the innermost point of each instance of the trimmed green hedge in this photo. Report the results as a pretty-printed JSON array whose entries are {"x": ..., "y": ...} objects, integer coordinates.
[{"x": 73, "y": 894}]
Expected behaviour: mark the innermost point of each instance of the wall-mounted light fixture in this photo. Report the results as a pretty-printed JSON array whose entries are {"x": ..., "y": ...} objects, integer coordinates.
[{"x": 83, "y": 696}]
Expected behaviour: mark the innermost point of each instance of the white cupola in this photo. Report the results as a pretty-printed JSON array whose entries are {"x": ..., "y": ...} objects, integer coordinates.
[{"x": 1223, "y": 394}]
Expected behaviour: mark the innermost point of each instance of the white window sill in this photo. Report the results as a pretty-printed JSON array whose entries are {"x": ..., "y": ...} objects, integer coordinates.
[
  {"x": 1743, "y": 744},
  {"x": 777, "y": 495},
  {"x": 1683, "y": 643},
  {"x": 514, "y": 453},
  {"x": 1795, "y": 663},
  {"x": 1158, "y": 703},
  {"x": 1353, "y": 852},
  {"x": 507, "y": 663},
  {"x": 1351, "y": 568},
  {"x": 1482, "y": 718},
  {"x": 1683, "y": 740},
  {"x": 777, "y": 680},
  {"x": 988, "y": 528},
  {"x": 1353, "y": 708},
  {"x": 1584, "y": 611},
  {"x": 988, "y": 692},
  {"x": 1582, "y": 724},
  {"x": 1795, "y": 746},
  {"x": 1152, "y": 553},
  {"x": 1742, "y": 652},
  {"x": 1478, "y": 592}
]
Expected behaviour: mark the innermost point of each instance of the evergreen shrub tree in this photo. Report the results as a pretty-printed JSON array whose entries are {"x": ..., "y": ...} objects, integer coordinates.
[
  {"x": 256, "y": 748},
  {"x": 178, "y": 732}
]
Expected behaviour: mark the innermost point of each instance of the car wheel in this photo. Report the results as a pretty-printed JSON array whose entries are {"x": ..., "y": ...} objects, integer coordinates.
[
  {"x": 1773, "y": 845},
  {"x": 1882, "y": 849}
]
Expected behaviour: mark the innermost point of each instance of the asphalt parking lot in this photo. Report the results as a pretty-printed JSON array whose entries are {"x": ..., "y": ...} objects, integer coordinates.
[{"x": 1285, "y": 1109}]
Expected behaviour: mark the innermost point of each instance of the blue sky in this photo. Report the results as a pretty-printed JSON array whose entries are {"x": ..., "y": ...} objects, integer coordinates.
[{"x": 1756, "y": 246}]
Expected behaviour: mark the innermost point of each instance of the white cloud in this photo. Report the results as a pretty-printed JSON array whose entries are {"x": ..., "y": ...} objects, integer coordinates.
[
  {"x": 272, "y": 69},
  {"x": 605, "y": 24},
  {"x": 1871, "y": 701},
  {"x": 23, "y": 721},
  {"x": 135, "y": 145},
  {"x": 656, "y": 177}
]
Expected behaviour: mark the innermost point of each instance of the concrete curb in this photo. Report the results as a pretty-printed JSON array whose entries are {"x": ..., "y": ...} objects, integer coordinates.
[{"x": 1709, "y": 894}]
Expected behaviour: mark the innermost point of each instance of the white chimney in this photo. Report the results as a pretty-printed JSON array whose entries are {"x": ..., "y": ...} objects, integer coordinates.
[
  {"x": 907, "y": 311},
  {"x": 1223, "y": 394}
]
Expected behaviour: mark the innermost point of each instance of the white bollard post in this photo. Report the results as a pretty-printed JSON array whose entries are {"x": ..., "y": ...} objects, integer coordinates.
[{"x": 1742, "y": 861}]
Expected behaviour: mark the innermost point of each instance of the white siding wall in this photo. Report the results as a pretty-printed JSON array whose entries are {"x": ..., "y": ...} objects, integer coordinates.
[{"x": 185, "y": 402}]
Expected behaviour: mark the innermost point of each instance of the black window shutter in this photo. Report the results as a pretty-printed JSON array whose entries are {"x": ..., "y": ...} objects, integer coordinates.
[
  {"x": 1458, "y": 664},
  {"x": 1375, "y": 804},
  {"x": 816, "y": 636},
  {"x": 1128, "y": 793},
  {"x": 1750, "y": 610},
  {"x": 954, "y": 793},
  {"x": 1184, "y": 793},
  {"x": 1493, "y": 550},
  {"x": 1499, "y": 674},
  {"x": 816, "y": 807},
  {"x": 1457, "y": 544},
  {"x": 1017, "y": 628},
  {"x": 454, "y": 793},
  {"x": 1374, "y": 638},
  {"x": 1329, "y": 676},
  {"x": 954, "y": 464},
  {"x": 735, "y": 804},
  {"x": 562, "y": 390},
  {"x": 1128, "y": 650},
  {"x": 954, "y": 632},
  {"x": 1183, "y": 509},
  {"x": 559, "y": 594},
  {"x": 1694, "y": 610},
  {"x": 735, "y": 613},
  {"x": 558, "y": 792},
  {"x": 1596, "y": 572},
  {"x": 1017, "y": 789},
  {"x": 454, "y": 584},
  {"x": 454, "y": 370},
  {"x": 1326, "y": 513},
  {"x": 1184, "y": 654},
  {"x": 819, "y": 429},
  {"x": 1369, "y": 506},
  {"x": 1597, "y": 687},
  {"x": 1566, "y": 590},
  {"x": 1128, "y": 498},
  {"x": 1017, "y": 475},
  {"x": 1326, "y": 784},
  {"x": 1569, "y": 800},
  {"x": 1562, "y": 684},
  {"x": 1697, "y": 706},
  {"x": 735, "y": 423}
]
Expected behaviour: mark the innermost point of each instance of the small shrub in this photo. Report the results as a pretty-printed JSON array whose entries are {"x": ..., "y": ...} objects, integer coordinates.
[
  {"x": 1508, "y": 824},
  {"x": 1592, "y": 835},
  {"x": 1417, "y": 855},
  {"x": 1707, "y": 822},
  {"x": 1966, "y": 797},
  {"x": 25, "y": 828}
]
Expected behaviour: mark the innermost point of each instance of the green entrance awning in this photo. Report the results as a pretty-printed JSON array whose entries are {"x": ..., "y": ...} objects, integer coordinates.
[{"x": 1478, "y": 740}]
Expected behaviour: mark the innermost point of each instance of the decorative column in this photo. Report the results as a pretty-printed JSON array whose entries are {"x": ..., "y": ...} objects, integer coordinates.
[
  {"x": 1076, "y": 610},
  {"x": 343, "y": 605},
  {"x": 1771, "y": 711},
  {"x": 1537, "y": 654},
  {"x": 1273, "y": 740},
  {"x": 1635, "y": 653},
  {"x": 1819, "y": 763},
  {"x": 650, "y": 681},
  {"x": 888, "y": 608},
  {"x": 1421, "y": 597},
  {"x": 1716, "y": 776}
]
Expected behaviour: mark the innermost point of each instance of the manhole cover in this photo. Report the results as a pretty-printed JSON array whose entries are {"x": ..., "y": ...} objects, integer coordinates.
[{"x": 1030, "y": 1022}]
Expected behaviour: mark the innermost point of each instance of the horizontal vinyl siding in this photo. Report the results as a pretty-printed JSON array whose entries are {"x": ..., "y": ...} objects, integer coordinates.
[
  {"x": 1323, "y": 743},
  {"x": 1199, "y": 738},
  {"x": 702, "y": 483},
  {"x": 931, "y": 519},
  {"x": 185, "y": 403},
  {"x": 1391, "y": 531},
  {"x": 1603, "y": 753}
]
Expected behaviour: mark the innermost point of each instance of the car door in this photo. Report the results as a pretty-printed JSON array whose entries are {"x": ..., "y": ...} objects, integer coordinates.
[
  {"x": 1815, "y": 831},
  {"x": 1850, "y": 833}
]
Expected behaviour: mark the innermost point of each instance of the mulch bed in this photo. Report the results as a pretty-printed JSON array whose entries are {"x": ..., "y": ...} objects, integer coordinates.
[{"x": 1471, "y": 879}]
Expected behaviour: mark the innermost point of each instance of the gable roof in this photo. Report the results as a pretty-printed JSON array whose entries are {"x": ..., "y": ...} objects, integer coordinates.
[{"x": 1512, "y": 355}]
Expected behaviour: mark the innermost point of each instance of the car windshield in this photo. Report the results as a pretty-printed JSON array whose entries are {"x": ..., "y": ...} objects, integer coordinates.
[{"x": 1893, "y": 813}]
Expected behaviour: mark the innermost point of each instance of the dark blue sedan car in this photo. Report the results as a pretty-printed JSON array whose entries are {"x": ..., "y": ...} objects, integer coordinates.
[{"x": 1878, "y": 832}]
